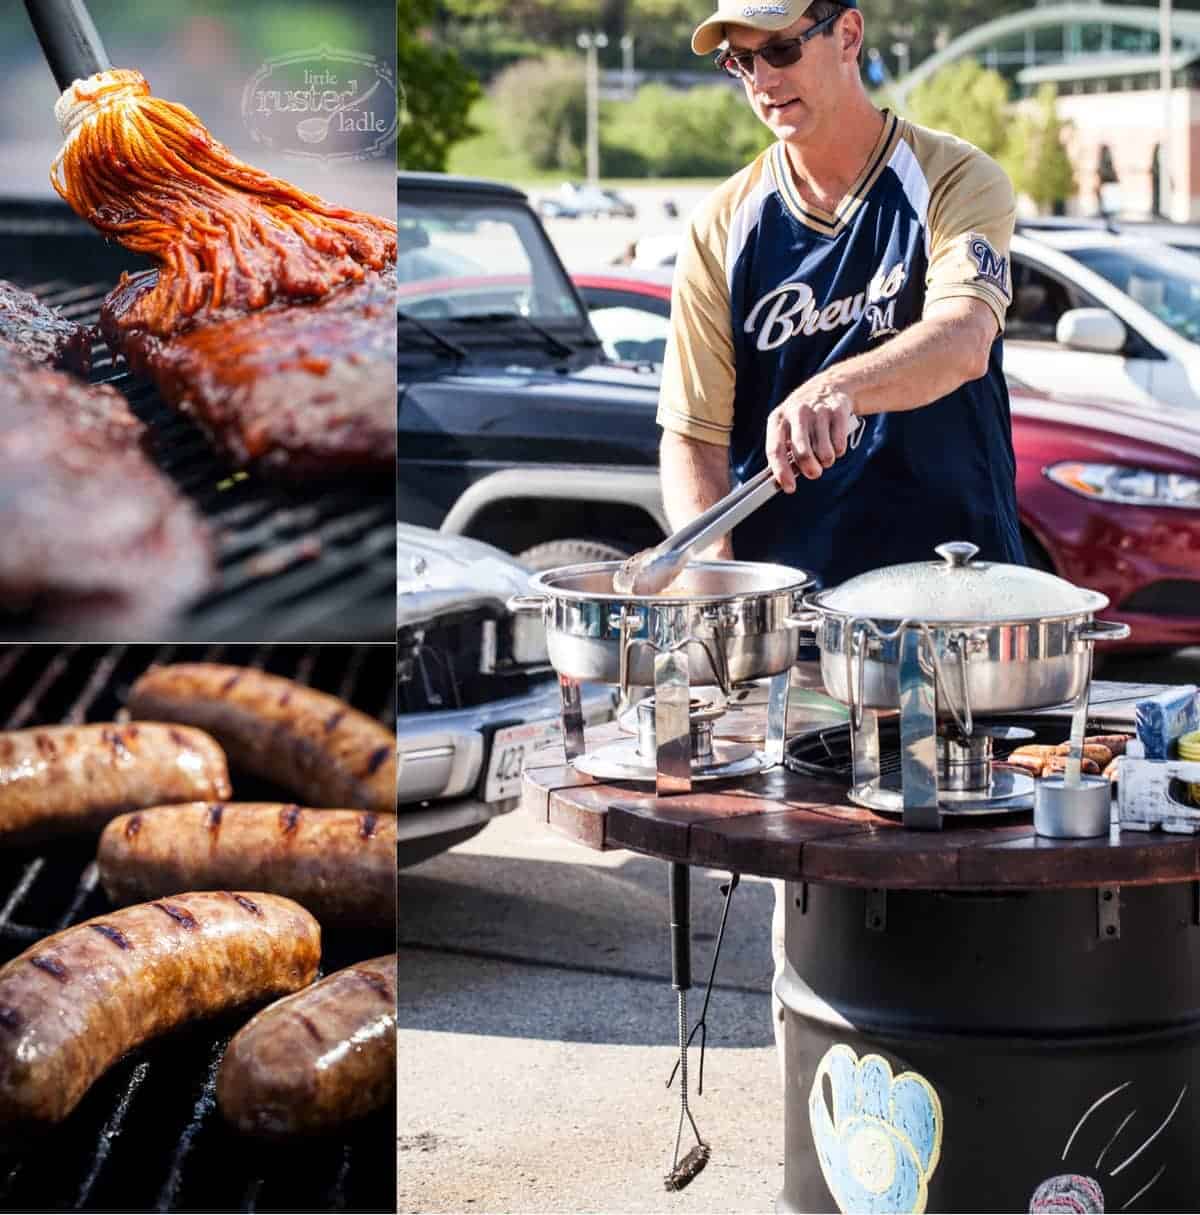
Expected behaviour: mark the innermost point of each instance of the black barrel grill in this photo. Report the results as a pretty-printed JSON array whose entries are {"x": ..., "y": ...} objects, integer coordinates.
[
  {"x": 314, "y": 563},
  {"x": 148, "y": 1136}
]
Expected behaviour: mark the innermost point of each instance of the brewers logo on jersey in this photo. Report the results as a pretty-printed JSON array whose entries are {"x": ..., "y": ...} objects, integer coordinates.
[{"x": 770, "y": 290}]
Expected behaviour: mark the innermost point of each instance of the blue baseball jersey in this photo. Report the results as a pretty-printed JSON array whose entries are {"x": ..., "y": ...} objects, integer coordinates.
[{"x": 769, "y": 291}]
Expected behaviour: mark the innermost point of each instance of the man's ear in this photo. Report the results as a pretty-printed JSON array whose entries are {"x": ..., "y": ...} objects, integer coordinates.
[{"x": 853, "y": 31}]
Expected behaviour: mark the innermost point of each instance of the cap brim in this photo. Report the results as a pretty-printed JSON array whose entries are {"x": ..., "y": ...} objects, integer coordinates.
[
  {"x": 755, "y": 15},
  {"x": 711, "y": 33}
]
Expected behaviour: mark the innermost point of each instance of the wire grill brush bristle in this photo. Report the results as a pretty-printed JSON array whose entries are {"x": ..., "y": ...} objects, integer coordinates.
[{"x": 688, "y": 1169}]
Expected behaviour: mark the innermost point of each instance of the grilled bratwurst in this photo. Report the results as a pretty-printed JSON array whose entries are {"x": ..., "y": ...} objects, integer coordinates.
[
  {"x": 317, "y": 1059},
  {"x": 57, "y": 780},
  {"x": 73, "y": 1004},
  {"x": 316, "y": 746},
  {"x": 340, "y": 864}
]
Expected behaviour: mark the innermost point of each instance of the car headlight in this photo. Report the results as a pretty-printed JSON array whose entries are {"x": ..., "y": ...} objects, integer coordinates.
[{"x": 1131, "y": 486}]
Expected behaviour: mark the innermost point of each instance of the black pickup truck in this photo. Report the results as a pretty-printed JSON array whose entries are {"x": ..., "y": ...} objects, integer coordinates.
[{"x": 514, "y": 427}]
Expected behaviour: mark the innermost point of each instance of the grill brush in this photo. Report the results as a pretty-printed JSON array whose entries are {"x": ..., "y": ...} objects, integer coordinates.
[{"x": 684, "y": 1171}]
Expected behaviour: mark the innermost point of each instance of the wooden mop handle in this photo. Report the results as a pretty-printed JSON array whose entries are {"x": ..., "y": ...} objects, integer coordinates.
[{"x": 69, "y": 38}]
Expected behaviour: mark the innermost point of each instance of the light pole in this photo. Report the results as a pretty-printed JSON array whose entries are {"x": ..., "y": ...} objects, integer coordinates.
[
  {"x": 1166, "y": 167},
  {"x": 627, "y": 64},
  {"x": 900, "y": 50},
  {"x": 592, "y": 44}
]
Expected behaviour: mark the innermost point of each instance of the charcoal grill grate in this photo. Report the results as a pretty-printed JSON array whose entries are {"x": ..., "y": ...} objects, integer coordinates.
[
  {"x": 293, "y": 564},
  {"x": 148, "y": 1135}
]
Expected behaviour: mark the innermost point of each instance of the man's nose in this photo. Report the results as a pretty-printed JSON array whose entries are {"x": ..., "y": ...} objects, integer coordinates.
[{"x": 764, "y": 76}]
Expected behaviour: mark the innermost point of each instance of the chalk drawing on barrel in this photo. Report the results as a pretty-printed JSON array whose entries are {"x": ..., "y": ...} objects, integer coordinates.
[
  {"x": 1077, "y": 1194},
  {"x": 878, "y": 1137}
]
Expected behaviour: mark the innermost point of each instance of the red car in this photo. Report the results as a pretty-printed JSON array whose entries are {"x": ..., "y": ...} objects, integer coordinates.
[{"x": 1109, "y": 493}]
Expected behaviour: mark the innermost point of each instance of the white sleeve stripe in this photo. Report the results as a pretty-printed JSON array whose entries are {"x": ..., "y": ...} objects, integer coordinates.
[
  {"x": 744, "y": 221},
  {"x": 906, "y": 167}
]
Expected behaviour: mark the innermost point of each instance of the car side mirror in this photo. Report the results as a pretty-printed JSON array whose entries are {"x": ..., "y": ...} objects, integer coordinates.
[{"x": 1094, "y": 329}]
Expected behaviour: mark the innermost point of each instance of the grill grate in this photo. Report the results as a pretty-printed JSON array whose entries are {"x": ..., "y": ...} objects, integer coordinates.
[
  {"x": 298, "y": 564},
  {"x": 148, "y": 1135}
]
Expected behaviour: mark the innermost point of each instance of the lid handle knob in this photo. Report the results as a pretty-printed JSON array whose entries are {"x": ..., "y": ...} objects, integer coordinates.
[{"x": 957, "y": 553}]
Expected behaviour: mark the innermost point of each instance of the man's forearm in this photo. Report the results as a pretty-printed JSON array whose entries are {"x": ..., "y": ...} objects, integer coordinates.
[
  {"x": 694, "y": 475},
  {"x": 926, "y": 362}
]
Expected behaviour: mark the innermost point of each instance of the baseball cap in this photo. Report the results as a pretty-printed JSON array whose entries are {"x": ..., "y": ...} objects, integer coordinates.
[{"x": 758, "y": 14}]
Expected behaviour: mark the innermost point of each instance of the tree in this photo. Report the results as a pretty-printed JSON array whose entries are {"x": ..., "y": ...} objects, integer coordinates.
[
  {"x": 967, "y": 100},
  {"x": 543, "y": 109},
  {"x": 1035, "y": 157},
  {"x": 435, "y": 92}
]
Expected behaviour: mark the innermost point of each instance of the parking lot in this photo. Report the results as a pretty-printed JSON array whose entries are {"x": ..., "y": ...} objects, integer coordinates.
[{"x": 534, "y": 978}]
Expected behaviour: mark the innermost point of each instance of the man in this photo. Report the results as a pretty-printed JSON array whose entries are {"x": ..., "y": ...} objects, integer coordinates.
[{"x": 856, "y": 273}]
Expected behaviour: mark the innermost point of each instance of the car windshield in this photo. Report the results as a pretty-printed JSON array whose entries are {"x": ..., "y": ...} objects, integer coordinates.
[
  {"x": 472, "y": 257},
  {"x": 1164, "y": 281}
]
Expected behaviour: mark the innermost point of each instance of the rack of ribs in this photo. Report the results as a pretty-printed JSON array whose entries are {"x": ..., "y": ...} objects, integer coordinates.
[
  {"x": 96, "y": 540},
  {"x": 42, "y": 334},
  {"x": 298, "y": 391}
]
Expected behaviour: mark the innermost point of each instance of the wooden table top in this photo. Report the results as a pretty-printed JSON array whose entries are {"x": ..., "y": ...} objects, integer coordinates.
[{"x": 783, "y": 825}]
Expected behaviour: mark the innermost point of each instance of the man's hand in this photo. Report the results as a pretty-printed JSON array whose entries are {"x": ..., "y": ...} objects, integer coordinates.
[{"x": 808, "y": 431}]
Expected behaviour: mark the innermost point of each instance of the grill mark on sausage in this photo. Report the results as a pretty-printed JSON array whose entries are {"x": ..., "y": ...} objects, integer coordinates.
[
  {"x": 45, "y": 745},
  {"x": 52, "y": 966},
  {"x": 367, "y": 825},
  {"x": 177, "y": 738},
  {"x": 313, "y": 1031},
  {"x": 116, "y": 743},
  {"x": 249, "y": 904},
  {"x": 333, "y": 719},
  {"x": 182, "y": 917},
  {"x": 286, "y": 698},
  {"x": 289, "y": 819},
  {"x": 10, "y": 1018},
  {"x": 231, "y": 683},
  {"x": 212, "y": 819},
  {"x": 115, "y": 935},
  {"x": 377, "y": 758},
  {"x": 373, "y": 981},
  {"x": 133, "y": 824}
]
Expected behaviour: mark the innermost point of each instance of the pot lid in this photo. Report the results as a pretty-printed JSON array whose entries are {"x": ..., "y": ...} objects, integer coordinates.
[{"x": 958, "y": 588}]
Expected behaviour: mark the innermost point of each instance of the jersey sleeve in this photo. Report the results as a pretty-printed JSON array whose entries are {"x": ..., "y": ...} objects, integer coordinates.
[
  {"x": 971, "y": 218},
  {"x": 696, "y": 394}
]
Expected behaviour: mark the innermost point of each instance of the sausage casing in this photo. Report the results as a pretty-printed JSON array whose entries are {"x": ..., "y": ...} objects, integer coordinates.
[
  {"x": 60, "y": 779},
  {"x": 316, "y": 1059},
  {"x": 340, "y": 864},
  {"x": 73, "y": 1004},
  {"x": 314, "y": 745}
]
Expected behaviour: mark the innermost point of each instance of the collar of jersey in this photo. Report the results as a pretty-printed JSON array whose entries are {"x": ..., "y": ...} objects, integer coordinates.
[{"x": 832, "y": 224}]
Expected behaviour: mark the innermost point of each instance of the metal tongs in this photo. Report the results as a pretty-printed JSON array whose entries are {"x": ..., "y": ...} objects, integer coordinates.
[{"x": 654, "y": 569}]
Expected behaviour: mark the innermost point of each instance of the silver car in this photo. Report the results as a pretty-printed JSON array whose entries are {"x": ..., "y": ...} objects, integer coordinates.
[{"x": 477, "y": 695}]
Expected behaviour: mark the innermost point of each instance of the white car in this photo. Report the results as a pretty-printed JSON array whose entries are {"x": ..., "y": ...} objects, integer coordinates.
[{"x": 1113, "y": 315}]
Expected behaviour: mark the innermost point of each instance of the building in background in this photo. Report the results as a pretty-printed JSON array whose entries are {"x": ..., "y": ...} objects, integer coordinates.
[{"x": 1104, "y": 60}]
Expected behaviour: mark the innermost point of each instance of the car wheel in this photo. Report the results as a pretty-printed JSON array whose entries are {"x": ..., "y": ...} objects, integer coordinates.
[{"x": 570, "y": 552}]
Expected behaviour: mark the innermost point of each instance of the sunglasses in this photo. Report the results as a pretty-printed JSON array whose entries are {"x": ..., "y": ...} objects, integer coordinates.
[{"x": 779, "y": 54}]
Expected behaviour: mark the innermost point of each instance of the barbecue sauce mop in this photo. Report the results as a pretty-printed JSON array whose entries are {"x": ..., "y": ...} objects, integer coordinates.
[{"x": 226, "y": 236}]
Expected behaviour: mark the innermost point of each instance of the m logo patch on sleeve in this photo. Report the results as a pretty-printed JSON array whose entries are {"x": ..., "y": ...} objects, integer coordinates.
[{"x": 992, "y": 267}]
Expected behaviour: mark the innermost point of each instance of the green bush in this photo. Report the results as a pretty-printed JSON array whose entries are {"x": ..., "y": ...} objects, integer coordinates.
[
  {"x": 703, "y": 132},
  {"x": 969, "y": 101},
  {"x": 541, "y": 111}
]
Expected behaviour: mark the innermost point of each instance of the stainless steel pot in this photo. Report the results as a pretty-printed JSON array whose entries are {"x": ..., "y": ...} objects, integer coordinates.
[
  {"x": 734, "y": 619},
  {"x": 999, "y": 638}
]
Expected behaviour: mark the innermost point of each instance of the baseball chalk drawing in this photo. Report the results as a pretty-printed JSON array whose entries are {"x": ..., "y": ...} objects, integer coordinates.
[
  {"x": 881, "y": 1141},
  {"x": 1075, "y": 1194}
]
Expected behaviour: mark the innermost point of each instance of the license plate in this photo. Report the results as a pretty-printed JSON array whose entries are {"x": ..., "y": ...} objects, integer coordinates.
[{"x": 511, "y": 747}]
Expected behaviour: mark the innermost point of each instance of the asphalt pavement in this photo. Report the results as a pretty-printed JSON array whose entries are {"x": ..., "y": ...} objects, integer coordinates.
[{"x": 538, "y": 1028}]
